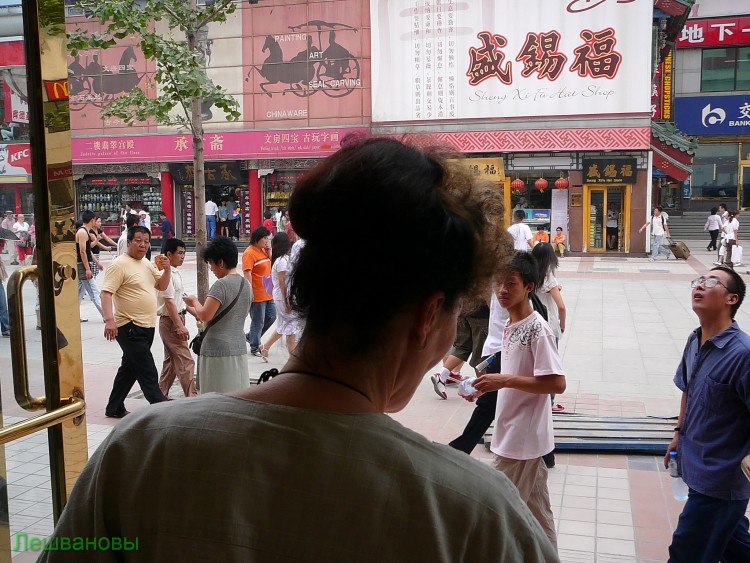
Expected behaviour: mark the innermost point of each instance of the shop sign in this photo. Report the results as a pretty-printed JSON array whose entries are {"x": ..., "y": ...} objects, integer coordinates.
[
  {"x": 661, "y": 90},
  {"x": 609, "y": 170},
  {"x": 491, "y": 169},
  {"x": 119, "y": 180},
  {"x": 216, "y": 173},
  {"x": 16, "y": 108},
  {"x": 15, "y": 162},
  {"x": 537, "y": 215},
  {"x": 715, "y": 32},
  {"x": 444, "y": 59},
  {"x": 291, "y": 143},
  {"x": 245, "y": 209},
  {"x": 188, "y": 211},
  {"x": 713, "y": 115}
]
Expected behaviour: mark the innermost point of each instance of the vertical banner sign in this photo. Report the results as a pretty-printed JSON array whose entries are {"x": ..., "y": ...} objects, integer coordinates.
[
  {"x": 245, "y": 210},
  {"x": 188, "y": 211},
  {"x": 445, "y": 59},
  {"x": 666, "y": 86}
]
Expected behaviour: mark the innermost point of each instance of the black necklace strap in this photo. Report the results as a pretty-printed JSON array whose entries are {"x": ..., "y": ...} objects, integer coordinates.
[{"x": 327, "y": 378}]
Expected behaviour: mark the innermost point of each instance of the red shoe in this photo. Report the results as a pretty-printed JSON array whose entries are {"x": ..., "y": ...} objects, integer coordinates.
[
  {"x": 558, "y": 408},
  {"x": 454, "y": 378}
]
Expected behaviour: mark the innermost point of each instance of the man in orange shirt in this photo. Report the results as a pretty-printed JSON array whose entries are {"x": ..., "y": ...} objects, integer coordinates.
[
  {"x": 256, "y": 264},
  {"x": 541, "y": 235},
  {"x": 558, "y": 242}
]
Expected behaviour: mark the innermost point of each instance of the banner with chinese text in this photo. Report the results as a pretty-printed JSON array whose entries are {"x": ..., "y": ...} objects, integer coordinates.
[{"x": 445, "y": 59}]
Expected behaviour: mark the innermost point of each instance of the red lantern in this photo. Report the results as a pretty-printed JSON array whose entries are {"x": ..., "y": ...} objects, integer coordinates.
[
  {"x": 561, "y": 183},
  {"x": 517, "y": 184},
  {"x": 541, "y": 184}
]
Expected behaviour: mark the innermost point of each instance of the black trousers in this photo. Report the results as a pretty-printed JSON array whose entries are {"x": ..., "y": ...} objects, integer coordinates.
[
  {"x": 137, "y": 365},
  {"x": 714, "y": 237}
]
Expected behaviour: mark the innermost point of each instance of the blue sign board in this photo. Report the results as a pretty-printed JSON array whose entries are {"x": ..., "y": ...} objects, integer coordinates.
[{"x": 713, "y": 115}]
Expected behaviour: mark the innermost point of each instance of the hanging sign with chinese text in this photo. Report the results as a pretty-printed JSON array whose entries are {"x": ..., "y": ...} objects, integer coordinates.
[
  {"x": 491, "y": 169},
  {"x": 217, "y": 173},
  {"x": 609, "y": 170},
  {"x": 444, "y": 59},
  {"x": 715, "y": 32}
]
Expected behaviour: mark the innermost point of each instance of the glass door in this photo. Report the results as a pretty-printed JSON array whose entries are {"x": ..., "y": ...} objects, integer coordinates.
[
  {"x": 606, "y": 220},
  {"x": 745, "y": 187}
]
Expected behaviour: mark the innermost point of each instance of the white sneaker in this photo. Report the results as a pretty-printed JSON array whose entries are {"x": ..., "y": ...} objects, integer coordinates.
[
  {"x": 650, "y": 259},
  {"x": 717, "y": 263},
  {"x": 439, "y": 386}
]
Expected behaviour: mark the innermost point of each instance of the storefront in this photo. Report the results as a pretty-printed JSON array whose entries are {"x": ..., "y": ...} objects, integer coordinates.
[
  {"x": 278, "y": 178},
  {"x": 15, "y": 179},
  {"x": 226, "y": 181},
  {"x": 106, "y": 194}
]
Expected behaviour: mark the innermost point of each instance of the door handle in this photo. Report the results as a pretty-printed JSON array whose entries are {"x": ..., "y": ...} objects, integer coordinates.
[{"x": 18, "y": 340}]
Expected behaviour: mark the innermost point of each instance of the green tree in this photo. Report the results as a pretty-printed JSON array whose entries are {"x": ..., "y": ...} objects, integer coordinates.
[{"x": 169, "y": 32}]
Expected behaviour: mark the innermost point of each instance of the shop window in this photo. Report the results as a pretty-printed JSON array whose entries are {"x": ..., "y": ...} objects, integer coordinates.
[
  {"x": 725, "y": 69},
  {"x": 715, "y": 171}
]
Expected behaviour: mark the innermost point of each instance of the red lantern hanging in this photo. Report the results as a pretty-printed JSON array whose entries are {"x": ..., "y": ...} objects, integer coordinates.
[
  {"x": 562, "y": 183},
  {"x": 517, "y": 184},
  {"x": 541, "y": 184}
]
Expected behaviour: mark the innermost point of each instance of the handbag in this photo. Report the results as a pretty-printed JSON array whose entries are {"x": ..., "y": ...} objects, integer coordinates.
[
  {"x": 268, "y": 284},
  {"x": 197, "y": 341}
]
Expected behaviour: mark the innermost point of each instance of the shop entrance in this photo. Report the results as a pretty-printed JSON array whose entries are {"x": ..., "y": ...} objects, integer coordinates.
[
  {"x": 606, "y": 222},
  {"x": 745, "y": 187}
]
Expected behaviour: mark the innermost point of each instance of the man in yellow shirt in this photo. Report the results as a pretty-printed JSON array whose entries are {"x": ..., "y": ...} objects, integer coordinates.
[{"x": 131, "y": 282}]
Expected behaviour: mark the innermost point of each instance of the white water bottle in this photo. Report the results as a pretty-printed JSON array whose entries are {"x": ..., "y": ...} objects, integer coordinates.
[
  {"x": 679, "y": 488},
  {"x": 465, "y": 388}
]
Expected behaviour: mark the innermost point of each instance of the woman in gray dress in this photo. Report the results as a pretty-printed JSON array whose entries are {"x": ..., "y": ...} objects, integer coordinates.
[{"x": 222, "y": 364}]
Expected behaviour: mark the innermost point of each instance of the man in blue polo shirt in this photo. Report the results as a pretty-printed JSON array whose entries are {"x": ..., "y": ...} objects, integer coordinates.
[{"x": 713, "y": 430}]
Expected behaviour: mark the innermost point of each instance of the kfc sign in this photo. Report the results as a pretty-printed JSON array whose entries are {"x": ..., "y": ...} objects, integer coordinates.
[
  {"x": 15, "y": 162},
  {"x": 716, "y": 32}
]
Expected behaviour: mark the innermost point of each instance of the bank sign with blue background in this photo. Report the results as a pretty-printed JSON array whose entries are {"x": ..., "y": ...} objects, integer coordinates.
[{"x": 713, "y": 115}]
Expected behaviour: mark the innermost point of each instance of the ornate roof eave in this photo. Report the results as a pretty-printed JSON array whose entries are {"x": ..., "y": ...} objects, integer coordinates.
[{"x": 670, "y": 135}]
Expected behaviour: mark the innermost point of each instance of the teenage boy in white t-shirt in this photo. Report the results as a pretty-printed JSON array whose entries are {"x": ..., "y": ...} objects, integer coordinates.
[
  {"x": 532, "y": 370},
  {"x": 522, "y": 239}
]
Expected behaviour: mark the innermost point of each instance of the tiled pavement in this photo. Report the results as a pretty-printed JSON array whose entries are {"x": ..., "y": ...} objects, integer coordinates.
[{"x": 627, "y": 322}]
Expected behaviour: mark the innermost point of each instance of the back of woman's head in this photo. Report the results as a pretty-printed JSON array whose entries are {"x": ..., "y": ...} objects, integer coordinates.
[
  {"x": 546, "y": 260},
  {"x": 280, "y": 246},
  {"x": 357, "y": 283},
  {"x": 221, "y": 249}
]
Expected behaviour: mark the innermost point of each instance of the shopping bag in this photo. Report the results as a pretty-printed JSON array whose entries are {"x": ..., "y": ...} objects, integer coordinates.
[{"x": 737, "y": 255}]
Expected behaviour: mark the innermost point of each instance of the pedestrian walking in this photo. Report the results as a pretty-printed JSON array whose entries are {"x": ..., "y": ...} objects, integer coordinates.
[
  {"x": 98, "y": 240},
  {"x": 312, "y": 453},
  {"x": 130, "y": 284},
  {"x": 471, "y": 332},
  {"x": 659, "y": 229},
  {"x": 212, "y": 214},
  {"x": 711, "y": 436},
  {"x": 24, "y": 244},
  {"x": 4, "y": 319},
  {"x": 131, "y": 220},
  {"x": 532, "y": 371},
  {"x": 7, "y": 223},
  {"x": 85, "y": 263},
  {"x": 222, "y": 362},
  {"x": 170, "y": 307},
  {"x": 522, "y": 239},
  {"x": 256, "y": 265},
  {"x": 287, "y": 323},
  {"x": 713, "y": 226},
  {"x": 166, "y": 227}
]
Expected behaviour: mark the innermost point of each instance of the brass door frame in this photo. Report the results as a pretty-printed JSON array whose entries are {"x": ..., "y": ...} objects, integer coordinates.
[
  {"x": 55, "y": 272},
  {"x": 624, "y": 225}
]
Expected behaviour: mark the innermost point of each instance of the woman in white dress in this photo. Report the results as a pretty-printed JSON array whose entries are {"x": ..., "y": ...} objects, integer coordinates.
[
  {"x": 548, "y": 291},
  {"x": 287, "y": 323}
]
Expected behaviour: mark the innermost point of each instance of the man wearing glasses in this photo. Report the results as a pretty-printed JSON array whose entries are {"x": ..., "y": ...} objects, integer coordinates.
[{"x": 713, "y": 430}]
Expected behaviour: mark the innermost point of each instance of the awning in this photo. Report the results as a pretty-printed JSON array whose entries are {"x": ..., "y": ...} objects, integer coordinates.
[{"x": 673, "y": 151}]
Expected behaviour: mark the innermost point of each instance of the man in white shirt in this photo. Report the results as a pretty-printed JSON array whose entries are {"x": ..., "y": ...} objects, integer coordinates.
[
  {"x": 212, "y": 212},
  {"x": 131, "y": 220},
  {"x": 659, "y": 231},
  {"x": 522, "y": 239},
  {"x": 7, "y": 223},
  {"x": 178, "y": 361}
]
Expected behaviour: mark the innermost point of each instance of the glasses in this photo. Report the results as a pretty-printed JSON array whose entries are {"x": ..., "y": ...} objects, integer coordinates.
[{"x": 708, "y": 283}]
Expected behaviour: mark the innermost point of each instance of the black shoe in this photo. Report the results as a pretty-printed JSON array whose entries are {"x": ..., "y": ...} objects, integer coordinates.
[
  {"x": 549, "y": 460},
  {"x": 122, "y": 414},
  {"x": 6, "y": 334}
]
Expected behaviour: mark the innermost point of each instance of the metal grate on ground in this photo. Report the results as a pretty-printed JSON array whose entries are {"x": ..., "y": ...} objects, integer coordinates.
[{"x": 582, "y": 433}]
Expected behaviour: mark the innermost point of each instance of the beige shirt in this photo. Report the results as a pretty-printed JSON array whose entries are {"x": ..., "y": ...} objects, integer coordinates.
[
  {"x": 283, "y": 484},
  {"x": 132, "y": 285},
  {"x": 174, "y": 292}
]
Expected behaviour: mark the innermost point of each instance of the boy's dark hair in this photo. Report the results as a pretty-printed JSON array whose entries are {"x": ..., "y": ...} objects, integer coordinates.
[
  {"x": 162, "y": 213},
  {"x": 541, "y": 228},
  {"x": 723, "y": 206},
  {"x": 524, "y": 264},
  {"x": 737, "y": 286},
  {"x": 267, "y": 214},
  {"x": 87, "y": 217},
  {"x": 138, "y": 229},
  {"x": 131, "y": 220},
  {"x": 518, "y": 214},
  {"x": 171, "y": 245},
  {"x": 221, "y": 249}
]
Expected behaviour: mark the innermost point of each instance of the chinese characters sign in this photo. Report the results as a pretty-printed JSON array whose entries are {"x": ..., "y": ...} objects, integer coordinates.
[
  {"x": 491, "y": 169},
  {"x": 715, "y": 32},
  {"x": 188, "y": 210},
  {"x": 217, "y": 173},
  {"x": 444, "y": 59},
  {"x": 609, "y": 170}
]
